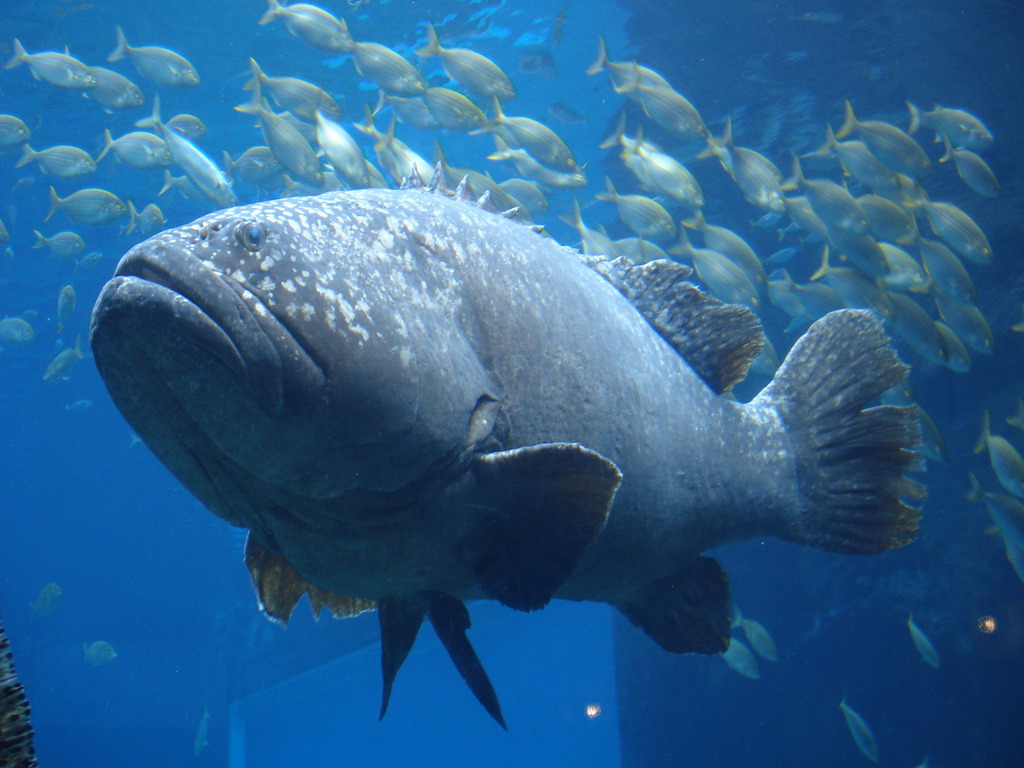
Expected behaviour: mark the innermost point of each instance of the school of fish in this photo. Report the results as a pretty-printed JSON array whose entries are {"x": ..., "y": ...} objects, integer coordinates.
[{"x": 859, "y": 228}]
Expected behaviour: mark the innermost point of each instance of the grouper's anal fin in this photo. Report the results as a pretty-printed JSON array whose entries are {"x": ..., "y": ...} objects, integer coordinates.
[
  {"x": 718, "y": 341},
  {"x": 279, "y": 586},
  {"x": 400, "y": 620},
  {"x": 687, "y": 612},
  {"x": 540, "y": 508}
]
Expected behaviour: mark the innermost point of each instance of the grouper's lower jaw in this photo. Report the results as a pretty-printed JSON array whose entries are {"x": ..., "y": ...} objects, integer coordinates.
[{"x": 168, "y": 293}]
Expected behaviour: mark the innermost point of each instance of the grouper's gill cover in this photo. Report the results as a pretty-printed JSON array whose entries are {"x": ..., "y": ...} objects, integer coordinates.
[{"x": 411, "y": 402}]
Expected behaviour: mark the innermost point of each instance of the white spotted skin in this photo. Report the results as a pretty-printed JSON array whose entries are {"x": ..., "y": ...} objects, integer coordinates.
[{"x": 416, "y": 305}]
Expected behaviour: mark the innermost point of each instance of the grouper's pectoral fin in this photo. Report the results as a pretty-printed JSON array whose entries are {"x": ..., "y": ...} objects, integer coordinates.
[
  {"x": 542, "y": 506},
  {"x": 687, "y": 612},
  {"x": 400, "y": 620}
]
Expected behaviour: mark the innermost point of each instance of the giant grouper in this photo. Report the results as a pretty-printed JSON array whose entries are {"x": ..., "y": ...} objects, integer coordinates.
[{"x": 411, "y": 401}]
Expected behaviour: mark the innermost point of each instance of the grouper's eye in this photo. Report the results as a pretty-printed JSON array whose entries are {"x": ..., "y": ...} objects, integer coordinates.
[{"x": 251, "y": 235}]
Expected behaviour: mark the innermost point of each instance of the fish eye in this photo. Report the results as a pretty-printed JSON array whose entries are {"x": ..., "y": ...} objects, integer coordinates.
[{"x": 251, "y": 235}]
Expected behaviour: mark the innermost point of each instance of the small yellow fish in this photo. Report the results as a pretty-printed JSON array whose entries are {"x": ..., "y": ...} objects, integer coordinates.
[
  {"x": 888, "y": 143},
  {"x": 1005, "y": 460},
  {"x": 62, "y": 161},
  {"x": 99, "y": 653},
  {"x": 189, "y": 126},
  {"x": 313, "y": 24},
  {"x": 63, "y": 245},
  {"x": 388, "y": 69},
  {"x": 722, "y": 278},
  {"x": 757, "y": 177},
  {"x": 452, "y": 110},
  {"x": 888, "y": 221},
  {"x": 341, "y": 150},
  {"x": 958, "y": 359},
  {"x": 959, "y": 231},
  {"x": 148, "y": 221},
  {"x": 946, "y": 272},
  {"x": 161, "y": 65},
  {"x": 643, "y": 215},
  {"x": 289, "y": 146},
  {"x": 626, "y": 75},
  {"x": 15, "y": 330},
  {"x": 527, "y": 166},
  {"x": 65, "y": 306},
  {"x": 860, "y": 731},
  {"x": 13, "y": 132},
  {"x": 60, "y": 69},
  {"x": 542, "y": 143},
  {"x": 88, "y": 206},
  {"x": 139, "y": 149},
  {"x": 47, "y": 602},
  {"x": 61, "y": 365},
  {"x": 915, "y": 326},
  {"x": 473, "y": 71},
  {"x": 303, "y": 99},
  {"x": 972, "y": 169},
  {"x": 593, "y": 242},
  {"x": 113, "y": 90},
  {"x": 922, "y": 643},
  {"x": 961, "y": 128},
  {"x": 967, "y": 323},
  {"x": 201, "y": 741}
]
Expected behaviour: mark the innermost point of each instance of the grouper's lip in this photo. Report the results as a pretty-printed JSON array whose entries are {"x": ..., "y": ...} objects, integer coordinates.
[{"x": 224, "y": 317}]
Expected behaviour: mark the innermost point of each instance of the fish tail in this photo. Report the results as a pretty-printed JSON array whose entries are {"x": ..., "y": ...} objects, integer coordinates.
[
  {"x": 40, "y": 239},
  {"x": 602, "y": 58},
  {"x": 849, "y": 122},
  {"x": 27, "y": 153},
  {"x": 15, "y": 724},
  {"x": 272, "y": 12},
  {"x": 983, "y": 437},
  {"x": 915, "y": 118},
  {"x": 850, "y": 459},
  {"x": 949, "y": 150},
  {"x": 616, "y": 135},
  {"x": 830, "y": 144},
  {"x": 19, "y": 57},
  {"x": 121, "y": 48},
  {"x": 433, "y": 46},
  {"x": 716, "y": 147},
  {"x": 257, "y": 76},
  {"x": 153, "y": 121},
  {"x": 133, "y": 219},
  {"x": 108, "y": 143},
  {"x": 55, "y": 202},
  {"x": 168, "y": 183}
]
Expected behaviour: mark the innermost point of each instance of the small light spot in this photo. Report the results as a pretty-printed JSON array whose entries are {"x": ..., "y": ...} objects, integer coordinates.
[
  {"x": 987, "y": 624},
  {"x": 593, "y": 710}
]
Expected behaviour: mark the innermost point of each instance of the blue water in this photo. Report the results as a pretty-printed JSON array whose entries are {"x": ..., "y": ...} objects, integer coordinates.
[{"x": 143, "y": 566}]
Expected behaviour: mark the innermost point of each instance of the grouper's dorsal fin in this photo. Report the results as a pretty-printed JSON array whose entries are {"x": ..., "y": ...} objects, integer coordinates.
[
  {"x": 279, "y": 586},
  {"x": 542, "y": 506},
  {"x": 718, "y": 340}
]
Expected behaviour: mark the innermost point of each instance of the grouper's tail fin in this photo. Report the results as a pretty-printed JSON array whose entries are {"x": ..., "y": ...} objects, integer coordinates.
[{"x": 851, "y": 460}]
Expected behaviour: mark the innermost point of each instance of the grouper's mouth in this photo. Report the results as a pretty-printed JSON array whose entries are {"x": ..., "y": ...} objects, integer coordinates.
[{"x": 184, "y": 309}]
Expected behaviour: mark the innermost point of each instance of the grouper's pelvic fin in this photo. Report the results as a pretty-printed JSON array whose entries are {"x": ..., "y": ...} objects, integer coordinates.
[
  {"x": 850, "y": 459},
  {"x": 16, "y": 750},
  {"x": 400, "y": 620}
]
